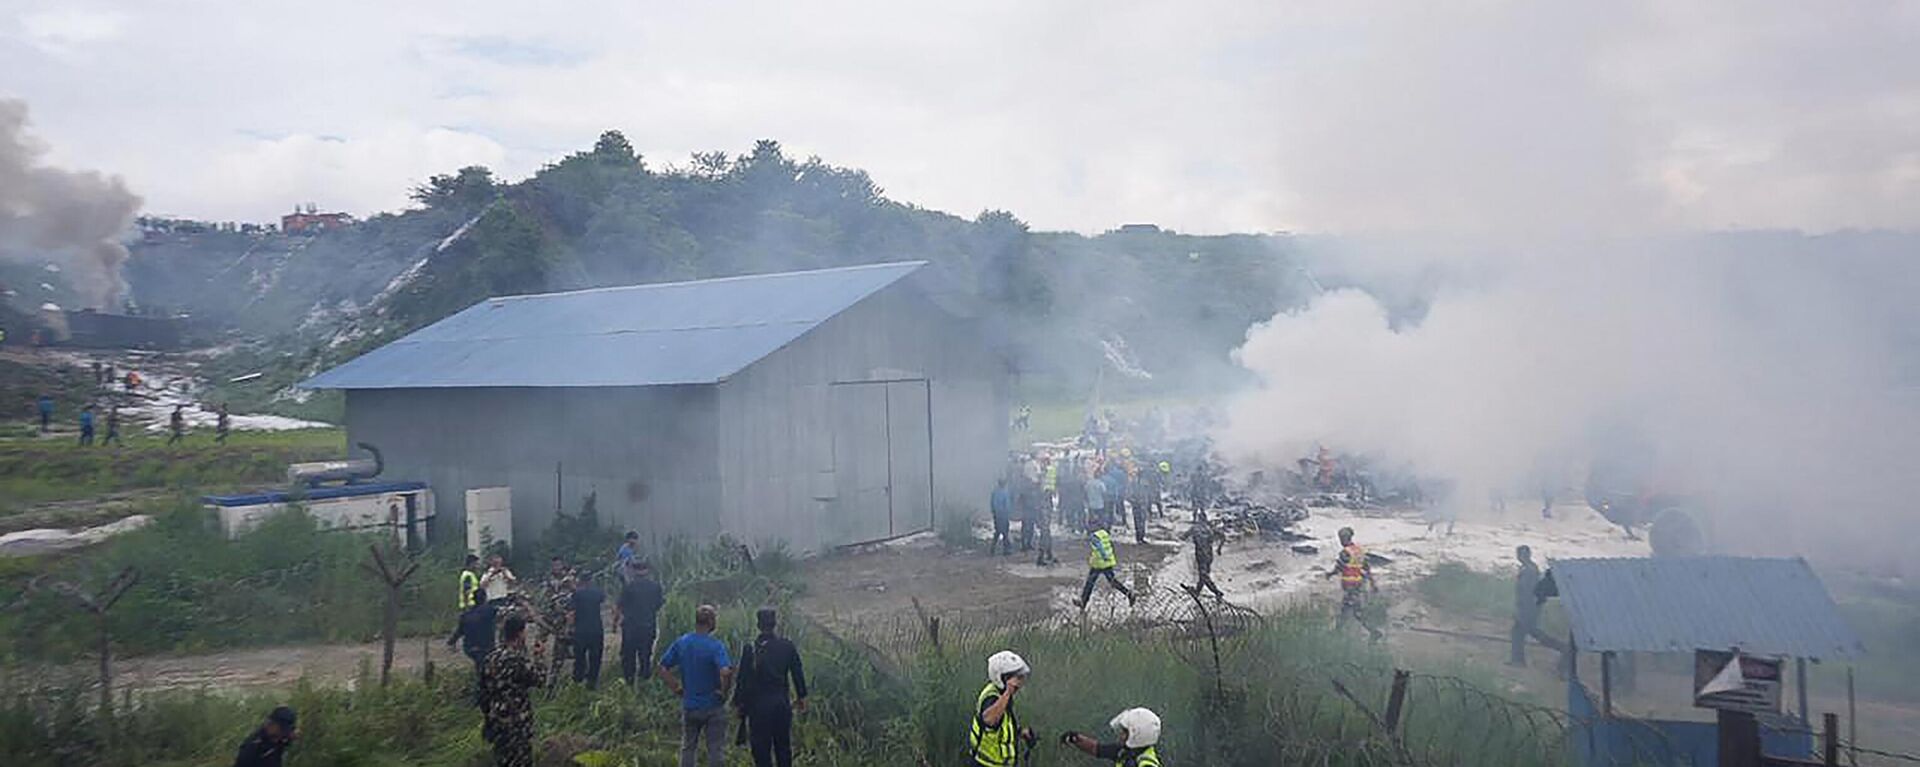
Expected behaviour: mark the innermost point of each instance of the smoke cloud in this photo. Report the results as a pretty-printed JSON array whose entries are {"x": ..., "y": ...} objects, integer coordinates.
[{"x": 75, "y": 218}]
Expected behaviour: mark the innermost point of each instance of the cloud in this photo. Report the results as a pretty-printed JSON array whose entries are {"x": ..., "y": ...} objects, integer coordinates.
[
  {"x": 1205, "y": 116},
  {"x": 62, "y": 31},
  {"x": 371, "y": 172}
]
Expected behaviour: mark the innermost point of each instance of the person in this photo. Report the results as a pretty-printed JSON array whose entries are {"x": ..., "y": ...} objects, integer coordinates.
[
  {"x": 132, "y": 381},
  {"x": 45, "y": 405},
  {"x": 1073, "y": 499},
  {"x": 1206, "y": 543},
  {"x": 635, "y": 616},
  {"x": 1356, "y": 580},
  {"x": 1096, "y": 494},
  {"x": 1024, "y": 420},
  {"x": 176, "y": 424},
  {"x": 1139, "y": 488},
  {"x": 1116, "y": 482},
  {"x": 1157, "y": 492},
  {"x": 470, "y": 592},
  {"x": 1139, "y": 731},
  {"x": 1001, "y": 504},
  {"x": 113, "y": 427},
  {"x": 268, "y": 745},
  {"x": 498, "y": 582},
  {"x": 97, "y": 380},
  {"x": 110, "y": 376},
  {"x": 1527, "y": 601},
  {"x": 1045, "y": 546},
  {"x": 86, "y": 426},
  {"x": 996, "y": 738},
  {"x": 222, "y": 425},
  {"x": 475, "y": 630},
  {"x": 623, "y": 556},
  {"x": 703, "y": 660},
  {"x": 1101, "y": 562},
  {"x": 556, "y": 615},
  {"x": 589, "y": 635},
  {"x": 508, "y": 677},
  {"x": 1026, "y": 499},
  {"x": 763, "y": 697},
  {"x": 1049, "y": 480}
]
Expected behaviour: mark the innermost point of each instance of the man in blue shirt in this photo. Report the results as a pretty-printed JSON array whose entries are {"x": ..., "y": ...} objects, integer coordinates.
[
  {"x": 623, "y": 557},
  {"x": 708, "y": 673},
  {"x": 45, "y": 405},
  {"x": 1001, "y": 504},
  {"x": 86, "y": 426}
]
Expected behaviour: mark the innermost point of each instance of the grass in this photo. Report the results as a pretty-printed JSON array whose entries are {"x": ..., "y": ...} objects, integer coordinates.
[{"x": 42, "y": 470}]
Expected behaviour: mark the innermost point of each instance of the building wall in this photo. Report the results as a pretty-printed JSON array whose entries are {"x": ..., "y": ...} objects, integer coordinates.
[
  {"x": 648, "y": 453},
  {"x": 776, "y": 417}
]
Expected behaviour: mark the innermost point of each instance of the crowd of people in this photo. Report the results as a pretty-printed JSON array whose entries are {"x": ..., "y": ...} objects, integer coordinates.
[{"x": 89, "y": 419}]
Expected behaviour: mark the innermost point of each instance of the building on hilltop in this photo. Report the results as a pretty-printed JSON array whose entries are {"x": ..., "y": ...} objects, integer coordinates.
[
  {"x": 818, "y": 408},
  {"x": 307, "y": 219}
]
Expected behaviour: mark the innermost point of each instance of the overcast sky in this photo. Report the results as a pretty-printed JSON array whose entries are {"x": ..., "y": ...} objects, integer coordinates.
[{"x": 1321, "y": 116}]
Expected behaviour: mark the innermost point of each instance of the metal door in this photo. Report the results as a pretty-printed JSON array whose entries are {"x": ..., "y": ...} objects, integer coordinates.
[
  {"x": 862, "y": 512},
  {"x": 910, "y": 456}
]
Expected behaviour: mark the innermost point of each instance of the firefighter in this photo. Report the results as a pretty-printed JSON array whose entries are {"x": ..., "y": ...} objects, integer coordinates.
[
  {"x": 1101, "y": 562},
  {"x": 1139, "y": 731},
  {"x": 1356, "y": 582}
]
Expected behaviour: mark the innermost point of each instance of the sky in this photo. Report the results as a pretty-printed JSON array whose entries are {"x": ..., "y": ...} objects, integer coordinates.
[{"x": 1202, "y": 116}]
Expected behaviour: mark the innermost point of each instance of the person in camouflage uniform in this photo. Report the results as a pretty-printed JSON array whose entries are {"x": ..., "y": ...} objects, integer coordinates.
[
  {"x": 556, "y": 615},
  {"x": 508, "y": 678}
]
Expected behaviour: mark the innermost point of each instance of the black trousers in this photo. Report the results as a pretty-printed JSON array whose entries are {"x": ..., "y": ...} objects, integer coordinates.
[
  {"x": 636, "y": 651},
  {"x": 1094, "y": 576},
  {"x": 1526, "y": 623},
  {"x": 587, "y": 650},
  {"x": 1204, "y": 567},
  {"x": 770, "y": 733}
]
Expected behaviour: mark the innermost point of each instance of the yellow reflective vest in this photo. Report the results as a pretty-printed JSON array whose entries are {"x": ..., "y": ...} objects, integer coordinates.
[
  {"x": 1353, "y": 571},
  {"x": 469, "y": 582},
  {"x": 1147, "y": 758},
  {"x": 1100, "y": 556},
  {"x": 993, "y": 746}
]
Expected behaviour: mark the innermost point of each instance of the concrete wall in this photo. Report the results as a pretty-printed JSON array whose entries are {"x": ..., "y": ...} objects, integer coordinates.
[
  {"x": 776, "y": 417},
  {"x": 649, "y": 453}
]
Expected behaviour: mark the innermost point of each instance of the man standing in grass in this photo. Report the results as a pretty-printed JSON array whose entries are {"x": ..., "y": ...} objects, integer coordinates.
[
  {"x": 267, "y": 746},
  {"x": 589, "y": 637},
  {"x": 708, "y": 670},
  {"x": 636, "y": 617},
  {"x": 509, "y": 677},
  {"x": 222, "y": 426},
  {"x": 86, "y": 426},
  {"x": 113, "y": 427},
  {"x": 45, "y": 405},
  {"x": 176, "y": 424}
]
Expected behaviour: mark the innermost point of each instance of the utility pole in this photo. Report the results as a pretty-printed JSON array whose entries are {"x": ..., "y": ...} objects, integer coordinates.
[{"x": 390, "y": 625}]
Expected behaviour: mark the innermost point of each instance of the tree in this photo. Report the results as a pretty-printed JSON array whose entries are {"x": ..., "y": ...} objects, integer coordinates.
[
  {"x": 464, "y": 190},
  {"x": 614, "y": 149}
]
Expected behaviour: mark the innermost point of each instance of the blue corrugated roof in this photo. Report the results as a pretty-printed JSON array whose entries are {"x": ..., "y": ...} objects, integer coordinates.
[
  {"x": 642, "y": 335},
  {"x": 1682, "y": 604},
  {"x": 312, "y": 494}
]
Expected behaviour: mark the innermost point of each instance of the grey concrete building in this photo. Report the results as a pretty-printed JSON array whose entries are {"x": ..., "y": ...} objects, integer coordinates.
[{"x": 817, "y": 408}]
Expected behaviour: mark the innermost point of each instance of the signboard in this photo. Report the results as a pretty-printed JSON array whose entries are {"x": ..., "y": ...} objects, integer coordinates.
[{"x": 1731, "y": 681}]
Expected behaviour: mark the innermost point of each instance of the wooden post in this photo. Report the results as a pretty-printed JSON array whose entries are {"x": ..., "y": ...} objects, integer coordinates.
[
  {"x": 390, "y": 623},
  {"x": 98, "y": 604},
  {"x": 1606, "y": 684},
  {"x": 1397, "y": 699},
  {"x": 1830, "y": 729}
]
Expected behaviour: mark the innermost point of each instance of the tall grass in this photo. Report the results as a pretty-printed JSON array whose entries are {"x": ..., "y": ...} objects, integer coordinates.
[{"x": 37, "y": 471}]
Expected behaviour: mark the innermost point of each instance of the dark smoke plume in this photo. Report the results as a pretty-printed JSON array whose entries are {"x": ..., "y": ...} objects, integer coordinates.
[{"x": 73, "y": 217}]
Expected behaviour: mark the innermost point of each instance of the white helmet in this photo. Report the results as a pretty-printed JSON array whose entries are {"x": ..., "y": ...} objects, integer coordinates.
[
  {"x": 1003, "y": 664},
  {"x": 1142, "y": 726}
]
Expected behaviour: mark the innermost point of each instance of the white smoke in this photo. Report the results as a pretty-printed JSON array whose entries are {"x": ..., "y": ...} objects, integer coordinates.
[
  {"x": 72, "y": 217},
  {"x": 1766, "y": 384}
]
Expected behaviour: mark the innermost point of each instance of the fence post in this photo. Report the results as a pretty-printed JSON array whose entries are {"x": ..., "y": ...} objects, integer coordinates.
[
  {"x": 1396, "y": 699},
  {"x": 1830, "y": 732}
]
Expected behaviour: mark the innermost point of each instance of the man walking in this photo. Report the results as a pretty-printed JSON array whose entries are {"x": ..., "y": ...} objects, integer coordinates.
[
  {"x": 508, "y": 678},
  {"x": 86, "y": 426},
  {"x": 623, "y": 556},
  {"x": 763, "y": 697},
  {"x": 1101, "y": 562},
  {"x": 556, "y": 614},
  {"x": 268, "y": 745},
  {"x": 1206, "y": 543},
  {"x": 113, "y": 427},
  {"x": 703, "y": 661},
  {"x": 1356, "y": 581},
  {"x": 1527, "y": 601},
  {"x": 589, "y": 636},
  {"x": 176, "y": 424},
  {"x": 1001, "y": 505},
  {"x": 222, "y": 425},
  {"x": 45, "y": 405},
  {"x": 635, "y": 616}
]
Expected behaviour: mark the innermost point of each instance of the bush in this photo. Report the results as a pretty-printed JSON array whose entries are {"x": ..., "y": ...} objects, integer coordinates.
[{"x": 955, "y": 527}]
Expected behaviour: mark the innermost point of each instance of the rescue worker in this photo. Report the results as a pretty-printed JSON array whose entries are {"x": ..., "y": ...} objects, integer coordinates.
[
  {"x": 1101, "y": 562},
  {"x": 1527, "y": 601},
  {"x": 1026, "y": 498},
  {"x": 1157, "y": 487},
  {"x": 498, "y": 582},
  {"x": 556, "y": 605},
  {"x": 996, "y": 738},
  {"x": 636, "y": 616},
  {"x": 1356, "y": 581},
  {"x": 1137, "y": 483},
  {"x": 44, "y": 404},
  {"x": 470, "y": 582},
  {"x": 508, "y": 678},
  {"x": 1096, "y": 494},
  {"x": 589, "y": 634},
  {"x": 113, "y": 427},
  {"x": 222, "y": 425},
  {"x": 176, "y": 423},
  {"x": 762, "y": 695},
  {"x": 267, "y": 746},
  {"x": 1139, "y": 731},
  {"x": 1001, "y": 504},
  {"x": 475, "y": 631},
  {"x": 1206, "y": 543},
  {"x": 1049, "y": 481},
  {"x": 1073, "y": 499}
]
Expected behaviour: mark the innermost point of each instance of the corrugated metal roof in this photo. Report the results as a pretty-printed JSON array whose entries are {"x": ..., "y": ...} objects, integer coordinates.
[
  {"x": 1761, "y": 606},
  {"x": 643, "y": 335}
]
